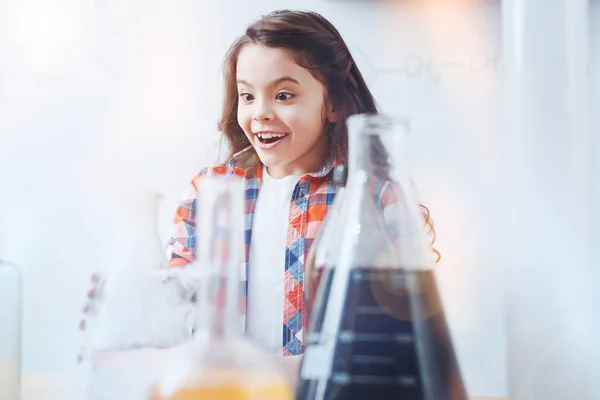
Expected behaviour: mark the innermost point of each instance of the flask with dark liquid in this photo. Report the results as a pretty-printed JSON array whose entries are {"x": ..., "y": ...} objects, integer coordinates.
[{"x": 378, "y": 328}]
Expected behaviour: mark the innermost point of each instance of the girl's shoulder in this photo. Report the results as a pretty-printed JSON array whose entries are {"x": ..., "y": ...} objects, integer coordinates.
[
  {"x": 224, "y": 169},
  {"x": 244, "y": 164}
]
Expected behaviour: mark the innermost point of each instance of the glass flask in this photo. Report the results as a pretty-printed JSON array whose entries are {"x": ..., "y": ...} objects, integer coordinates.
[
  {"x": 320, "y": 254},
  {"x": 378, "y": 328},
  {"x": 139, "y": 308},
  {"x": 135, "y": 286},
  {"x": 220, "y": 362},
  {"x": 10, "y": 333}
]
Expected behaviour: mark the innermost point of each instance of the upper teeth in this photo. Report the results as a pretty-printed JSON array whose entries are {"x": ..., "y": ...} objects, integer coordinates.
[{"x": 270, "y": 135}]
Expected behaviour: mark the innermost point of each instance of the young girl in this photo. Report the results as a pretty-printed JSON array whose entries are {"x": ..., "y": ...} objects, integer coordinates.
[{"x": 290, "y": 84}]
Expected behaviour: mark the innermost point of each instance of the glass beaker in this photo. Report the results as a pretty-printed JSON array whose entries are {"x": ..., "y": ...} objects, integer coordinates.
[
  {"x": 378, "y": 328},
  {"x": 10, "y": 334},
  {"x": 220, "y": 362}
]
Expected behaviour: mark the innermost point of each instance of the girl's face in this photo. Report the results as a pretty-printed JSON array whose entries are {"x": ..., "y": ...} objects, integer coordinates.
[{"x": 282, "y": 110}]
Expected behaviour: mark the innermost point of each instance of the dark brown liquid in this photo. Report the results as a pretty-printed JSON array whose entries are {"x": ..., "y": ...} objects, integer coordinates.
[{"x": 393, "y": 341}]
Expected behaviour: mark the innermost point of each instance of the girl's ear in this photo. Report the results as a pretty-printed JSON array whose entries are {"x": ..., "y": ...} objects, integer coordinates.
[{"x": 332, "y": 114}]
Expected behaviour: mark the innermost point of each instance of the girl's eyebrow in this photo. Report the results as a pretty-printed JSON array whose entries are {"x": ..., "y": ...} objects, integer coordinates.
[{"x": 273, "y": 83}]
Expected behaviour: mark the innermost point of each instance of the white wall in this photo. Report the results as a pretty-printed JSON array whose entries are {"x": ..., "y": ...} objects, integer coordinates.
[{"x": 96, "y": 96}]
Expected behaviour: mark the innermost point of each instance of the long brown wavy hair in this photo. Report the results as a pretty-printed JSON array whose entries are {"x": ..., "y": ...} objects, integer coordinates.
[{"x": 315, "y": 44}]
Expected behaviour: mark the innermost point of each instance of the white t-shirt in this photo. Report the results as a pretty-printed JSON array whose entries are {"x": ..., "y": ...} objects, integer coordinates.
[{"x": 264, "y": 313}]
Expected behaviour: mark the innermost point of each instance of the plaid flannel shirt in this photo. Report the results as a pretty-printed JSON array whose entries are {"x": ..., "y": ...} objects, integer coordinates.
[
  {"x": 311, "y": 198},
  {"x": 310, "y": 201}
]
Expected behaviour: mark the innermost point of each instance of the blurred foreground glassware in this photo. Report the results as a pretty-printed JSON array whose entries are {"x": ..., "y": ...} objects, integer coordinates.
[
  {"x": 378, "y": 328},
  {"x": 10, "y": 331},
  {"x": 139, "y": 310},
  {"x": 220, "y": 362},
  {"x": 550, "y": 257}
]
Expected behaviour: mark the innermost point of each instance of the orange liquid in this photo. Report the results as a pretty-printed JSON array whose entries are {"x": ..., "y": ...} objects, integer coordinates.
[
  {"x": 271, "y": 392},
  {"x": 226, "y": 390}
]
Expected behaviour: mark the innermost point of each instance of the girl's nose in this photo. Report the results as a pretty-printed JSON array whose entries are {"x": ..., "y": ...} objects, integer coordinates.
[{"x": 263, "y": 112}]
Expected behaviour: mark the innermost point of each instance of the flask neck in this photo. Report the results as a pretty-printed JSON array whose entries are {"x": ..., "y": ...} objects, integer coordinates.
[
  {"x": 372, "y": 140},
  {"x": 218, "y": 306},
  {"x": 143, "y": 230},
  {"x": 220, "y": 243},
  {"x": 383, "y": 202}
]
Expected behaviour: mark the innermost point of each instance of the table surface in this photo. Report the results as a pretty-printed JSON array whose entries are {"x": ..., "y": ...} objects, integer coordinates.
[{"x": 47, "y": 386}]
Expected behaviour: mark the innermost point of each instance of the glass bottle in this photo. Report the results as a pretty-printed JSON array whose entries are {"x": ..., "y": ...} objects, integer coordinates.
[
  {"x": 10, "y": 334},
  {"x": 321, "y": 251},
  {"x": 378, "y": 328},
  {"x": 220, "y": 362}
]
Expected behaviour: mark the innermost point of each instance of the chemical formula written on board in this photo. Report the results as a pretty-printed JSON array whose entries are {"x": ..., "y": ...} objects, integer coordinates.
[{"x": 420, "y": 66}]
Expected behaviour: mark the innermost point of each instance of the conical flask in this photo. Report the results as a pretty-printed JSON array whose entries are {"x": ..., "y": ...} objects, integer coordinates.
[
  {"x": 220, "y": 363},
  {"x": 325, "y": 245},
  {"x": 137, "y": 309},
  {"x": 378, "y": 328}
]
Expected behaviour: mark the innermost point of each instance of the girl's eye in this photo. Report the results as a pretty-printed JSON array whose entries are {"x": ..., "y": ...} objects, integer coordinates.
[
  {"x": 246, "y": 96},
  {"x": 283, "y": 96}
]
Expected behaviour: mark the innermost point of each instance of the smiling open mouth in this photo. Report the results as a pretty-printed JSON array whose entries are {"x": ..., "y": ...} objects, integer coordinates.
[{"x": 268, "y": 138}]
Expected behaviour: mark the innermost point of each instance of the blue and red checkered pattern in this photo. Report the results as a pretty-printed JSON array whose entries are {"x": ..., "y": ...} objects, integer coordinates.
[{"x": 311, "y": 198}]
